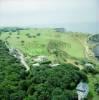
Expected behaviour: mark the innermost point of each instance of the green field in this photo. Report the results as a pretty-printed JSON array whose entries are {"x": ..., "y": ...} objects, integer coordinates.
[{"x": 37, "y": 45}]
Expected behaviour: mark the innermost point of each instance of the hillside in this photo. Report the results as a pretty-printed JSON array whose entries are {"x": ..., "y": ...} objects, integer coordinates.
[
  {"x": 69, "y": 48},
  {"x": 40, "y": 83},
  {"x": 35, "y": 41}
]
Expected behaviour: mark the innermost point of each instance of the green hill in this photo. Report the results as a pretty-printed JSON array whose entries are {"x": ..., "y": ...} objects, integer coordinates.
[
  {"x": 40, "y": 83},
  {"x": 34, "y": 41},
  {"x": 70, "y": 48}
]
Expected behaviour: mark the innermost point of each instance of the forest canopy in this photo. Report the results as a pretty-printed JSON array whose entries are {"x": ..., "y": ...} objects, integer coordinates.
[{"x": 40, "y": 83}]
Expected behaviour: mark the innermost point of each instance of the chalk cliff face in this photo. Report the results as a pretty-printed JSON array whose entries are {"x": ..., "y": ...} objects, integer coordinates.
[{"x": 96, "y": 51}]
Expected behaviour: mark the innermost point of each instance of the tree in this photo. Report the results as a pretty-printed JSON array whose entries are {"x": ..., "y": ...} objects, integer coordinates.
[
  {"x": 10, "y": 33},
  {"x": 97, "y": 87},
  {"x": 38, "y": 34},
  {"x": 59, "y": 94},
  {"x": 56, "y": 48},
  {"x": 29, "y": 97},
  {"x": 19, "y": 95},
  {"x": 18, "y": 32},
  {"x": 22, "y": 42}
]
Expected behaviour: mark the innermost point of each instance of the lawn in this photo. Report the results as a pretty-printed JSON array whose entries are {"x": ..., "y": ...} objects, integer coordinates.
[{"x": 36, "y": 45}]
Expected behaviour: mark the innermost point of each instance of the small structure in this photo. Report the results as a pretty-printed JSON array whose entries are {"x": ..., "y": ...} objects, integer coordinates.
[
  {"x": 60, "y": 30},
  {"x": 54, "y": 65},
  {"x": 40, "y": 59},
  {"x": 36, "y": 65},
  {"x": 82, "y": 90},
  {"x": 89, "y": 65}
]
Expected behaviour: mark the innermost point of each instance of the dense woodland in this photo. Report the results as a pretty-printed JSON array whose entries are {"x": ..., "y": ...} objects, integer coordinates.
[
  {"x": 94, "y": 38},
  {"x": 10, "y": 29},
  {"x": 40, "y": 83},
  {"x": 11, "y": 73}
]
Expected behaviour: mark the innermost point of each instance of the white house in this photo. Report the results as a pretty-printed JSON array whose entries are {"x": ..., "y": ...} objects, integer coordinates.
[{"x": 82, "y": 90}]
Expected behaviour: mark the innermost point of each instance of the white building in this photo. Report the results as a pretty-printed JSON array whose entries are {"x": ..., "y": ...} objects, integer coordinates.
[
  {"x": 82, "y": 90},
  {"x": 40, "y": 59}
]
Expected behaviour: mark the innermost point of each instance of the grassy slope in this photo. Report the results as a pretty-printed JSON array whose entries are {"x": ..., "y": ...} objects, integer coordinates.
[
  {"x": 92, "y": 81},
  {"x": 37, "y": 46}
]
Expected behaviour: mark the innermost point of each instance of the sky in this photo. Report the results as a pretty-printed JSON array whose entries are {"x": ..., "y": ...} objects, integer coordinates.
[{"x": 75, "y": 15}]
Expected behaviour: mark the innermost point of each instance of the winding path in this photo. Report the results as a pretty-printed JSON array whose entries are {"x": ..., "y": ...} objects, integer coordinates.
[
  {"x": 19, "y": 56},
  {"x": 22, "y": 60},
  {"x": 86, "y": 50}
]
